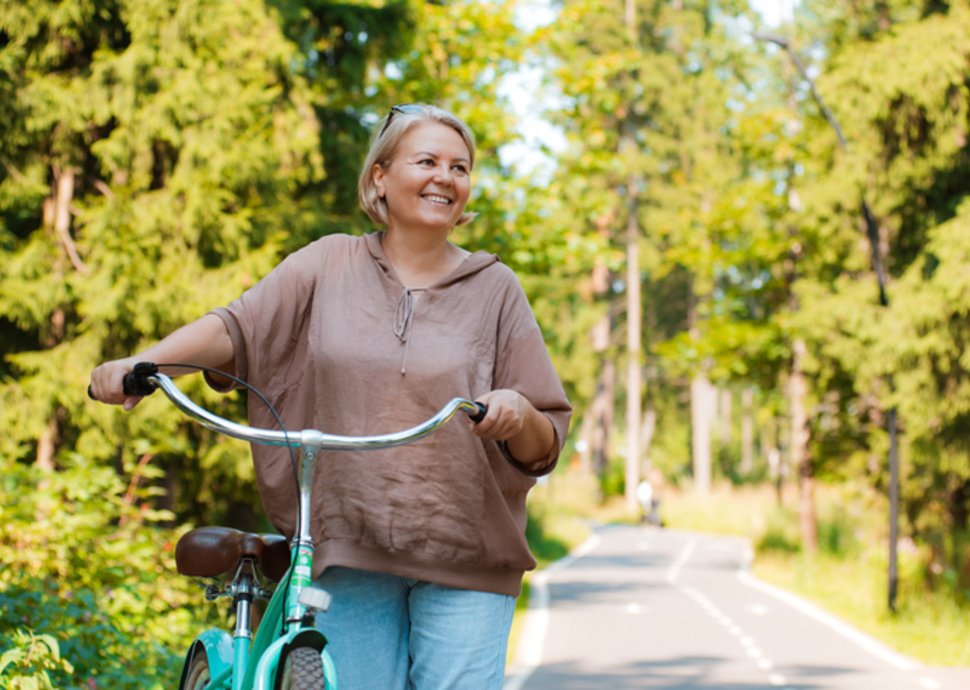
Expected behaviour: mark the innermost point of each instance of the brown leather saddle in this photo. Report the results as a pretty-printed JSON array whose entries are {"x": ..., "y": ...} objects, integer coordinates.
[{"x": 217, "y": 551}]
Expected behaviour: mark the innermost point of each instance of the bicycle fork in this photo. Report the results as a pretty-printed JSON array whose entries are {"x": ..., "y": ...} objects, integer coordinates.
[{"x": 302, "y": 600}]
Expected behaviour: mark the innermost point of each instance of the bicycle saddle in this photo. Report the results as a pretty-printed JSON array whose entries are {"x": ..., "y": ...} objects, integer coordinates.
[{"x": 215, "y": 551}]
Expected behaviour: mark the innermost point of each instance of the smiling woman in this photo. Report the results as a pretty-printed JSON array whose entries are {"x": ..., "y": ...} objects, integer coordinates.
[{"x": 422, "y": 548}]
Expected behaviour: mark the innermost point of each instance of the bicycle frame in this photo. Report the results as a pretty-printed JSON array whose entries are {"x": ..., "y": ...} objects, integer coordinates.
[{"x": 243, "y": 661}]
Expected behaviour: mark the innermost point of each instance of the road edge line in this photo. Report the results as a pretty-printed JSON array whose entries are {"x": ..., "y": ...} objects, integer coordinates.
[
  {"x": 870, "y": 644},
  {"x": 528, "y": 654}
]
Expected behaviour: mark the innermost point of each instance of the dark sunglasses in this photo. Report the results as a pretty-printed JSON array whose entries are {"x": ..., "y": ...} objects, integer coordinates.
[{"x": 404, "y": 109}]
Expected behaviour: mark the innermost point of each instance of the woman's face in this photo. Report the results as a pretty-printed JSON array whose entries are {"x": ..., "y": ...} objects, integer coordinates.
[{"x": 428, "y": 180}]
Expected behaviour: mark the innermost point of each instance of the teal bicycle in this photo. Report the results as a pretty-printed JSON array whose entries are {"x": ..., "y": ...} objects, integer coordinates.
[{"x": 286, "y": 652}]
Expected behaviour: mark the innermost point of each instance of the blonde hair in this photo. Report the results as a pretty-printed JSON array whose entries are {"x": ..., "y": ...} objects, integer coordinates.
[{"x": 384, "y": 145}]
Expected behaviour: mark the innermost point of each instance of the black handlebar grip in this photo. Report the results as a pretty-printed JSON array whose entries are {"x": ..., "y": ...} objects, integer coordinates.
[
  {"x": 480, "y": 415},
  {"x": 136, "y": 381}
]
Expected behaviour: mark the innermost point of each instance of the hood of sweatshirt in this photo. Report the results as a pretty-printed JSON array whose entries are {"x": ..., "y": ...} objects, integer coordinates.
[
  {"x": 404, "y": 311},
  {"x": 472, "y": 264}
]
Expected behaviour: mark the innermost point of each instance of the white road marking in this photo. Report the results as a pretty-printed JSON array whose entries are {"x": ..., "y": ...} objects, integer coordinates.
[
  {"x": 877, "y": 649},
  {"x": 747, "y": 642},
  {"x": 682, "y": 559},
  {"x": 533, "y": 635}
]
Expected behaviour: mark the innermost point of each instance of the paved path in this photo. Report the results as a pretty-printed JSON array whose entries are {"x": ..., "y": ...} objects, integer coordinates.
[{"x": 640, "y": 607}]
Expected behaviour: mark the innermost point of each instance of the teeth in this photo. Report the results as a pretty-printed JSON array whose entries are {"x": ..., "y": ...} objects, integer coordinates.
[{"x": 438, "y": 199}]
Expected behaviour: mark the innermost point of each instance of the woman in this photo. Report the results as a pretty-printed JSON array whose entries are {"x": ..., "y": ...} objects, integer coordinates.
[{"x": 423, "y": 546}]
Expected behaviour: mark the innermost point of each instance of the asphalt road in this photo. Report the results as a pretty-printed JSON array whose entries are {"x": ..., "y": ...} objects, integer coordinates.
[{"x": 641, "y": 607}]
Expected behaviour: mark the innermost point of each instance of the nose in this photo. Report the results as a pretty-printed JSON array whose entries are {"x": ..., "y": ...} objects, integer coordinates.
[{"x": 443, "y": 175}]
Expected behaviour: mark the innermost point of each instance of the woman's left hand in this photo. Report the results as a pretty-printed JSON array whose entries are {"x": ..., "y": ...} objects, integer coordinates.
[
  {"x": 513, "y": 419},
  {"x": 507, "y": 413}
]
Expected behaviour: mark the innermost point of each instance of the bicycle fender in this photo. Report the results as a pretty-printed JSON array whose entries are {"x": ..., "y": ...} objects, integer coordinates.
[
  {"x": 217, "y": 646},
  {"x": 269, "y": 662}
]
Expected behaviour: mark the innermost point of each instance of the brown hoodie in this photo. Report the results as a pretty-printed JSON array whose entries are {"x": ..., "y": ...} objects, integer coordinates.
[{"x": 339, "y": 344}]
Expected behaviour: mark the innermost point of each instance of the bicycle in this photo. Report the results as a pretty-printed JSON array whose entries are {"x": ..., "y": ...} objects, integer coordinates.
[{"x": 287, "y": 652}]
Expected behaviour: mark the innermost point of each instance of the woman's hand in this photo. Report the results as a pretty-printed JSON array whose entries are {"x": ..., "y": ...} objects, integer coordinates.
[
  {"x": 507, "y": 410},
  {"x": 513, "y": 419},
  {"x": 107, "y": 383}
]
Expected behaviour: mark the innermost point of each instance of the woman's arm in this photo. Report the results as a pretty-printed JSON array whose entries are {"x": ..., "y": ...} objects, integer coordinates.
[{"x": 204, "y": 342}]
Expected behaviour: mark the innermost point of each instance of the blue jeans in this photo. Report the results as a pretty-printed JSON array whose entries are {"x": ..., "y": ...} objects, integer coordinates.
[{"x": 392, "y": 633}]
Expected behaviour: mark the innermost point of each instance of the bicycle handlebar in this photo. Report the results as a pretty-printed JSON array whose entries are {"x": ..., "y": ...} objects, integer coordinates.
[{"x": 145, "y": 378}]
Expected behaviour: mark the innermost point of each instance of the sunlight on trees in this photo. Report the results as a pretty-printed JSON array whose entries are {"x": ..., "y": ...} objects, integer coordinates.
[{"x": 697, "y": 228}]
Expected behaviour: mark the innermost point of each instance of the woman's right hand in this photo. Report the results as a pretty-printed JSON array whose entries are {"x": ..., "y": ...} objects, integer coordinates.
[{"x": 107, "y": 383}]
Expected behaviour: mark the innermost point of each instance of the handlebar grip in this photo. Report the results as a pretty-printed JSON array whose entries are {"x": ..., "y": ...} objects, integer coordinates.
[
  {"x": 136, "y": 381},
  {"x": 480, "y": 415}
]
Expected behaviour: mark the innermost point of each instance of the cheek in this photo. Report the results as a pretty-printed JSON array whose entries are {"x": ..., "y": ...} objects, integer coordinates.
[{"x": 464, "y": 191}]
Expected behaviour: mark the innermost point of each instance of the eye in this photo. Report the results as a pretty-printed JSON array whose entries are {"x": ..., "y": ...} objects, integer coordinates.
[
  {"x": 460, "y": 168},
  {"x": 426, "y": 162}
]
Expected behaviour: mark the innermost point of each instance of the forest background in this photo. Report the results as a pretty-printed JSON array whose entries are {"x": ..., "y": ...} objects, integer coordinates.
[{"x": 746, "y": 274}]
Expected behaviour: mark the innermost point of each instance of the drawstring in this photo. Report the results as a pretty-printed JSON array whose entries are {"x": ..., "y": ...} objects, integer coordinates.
[
  {"x": 402, "y": 323},
  {"x": 404, "y": 315}
]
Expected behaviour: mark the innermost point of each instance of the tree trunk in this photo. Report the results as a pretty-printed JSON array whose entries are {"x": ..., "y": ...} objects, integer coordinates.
[
  {"x": 724, "y": 416},
  {"x": 57, "y": 218},
  {"x": 747, "y": 431},
  {"x": 633, "y": 377},
  {"x": 798, "y": 449},
  {"x": 47, "y": 444},
  {"x": 602, "y": 409},
  {"x": 633, "y": 315},
  {"x": 702, "y": 397}
]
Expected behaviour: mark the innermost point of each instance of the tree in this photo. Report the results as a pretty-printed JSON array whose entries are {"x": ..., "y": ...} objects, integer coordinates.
[{"x": 907, "y": 134}]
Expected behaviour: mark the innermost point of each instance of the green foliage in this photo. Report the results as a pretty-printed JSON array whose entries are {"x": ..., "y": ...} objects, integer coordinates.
[
  {"x": 158, "y": 156},
  {"x": 780, "y": 535},
  {"x": 89, "y": 570},
  {"x": 28, "y": 663}
]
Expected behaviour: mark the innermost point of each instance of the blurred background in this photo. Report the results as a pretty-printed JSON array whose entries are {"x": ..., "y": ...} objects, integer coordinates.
[{"x": 744, "y": 228}]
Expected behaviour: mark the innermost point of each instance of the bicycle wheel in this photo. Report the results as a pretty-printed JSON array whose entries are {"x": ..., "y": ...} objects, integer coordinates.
[
  {"x": 197, "y": 677},
  {"x": 303, "y": 670}
]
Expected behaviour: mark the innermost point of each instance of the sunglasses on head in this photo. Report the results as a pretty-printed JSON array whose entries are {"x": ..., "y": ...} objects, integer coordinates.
[{"x": 404, "y": 109}]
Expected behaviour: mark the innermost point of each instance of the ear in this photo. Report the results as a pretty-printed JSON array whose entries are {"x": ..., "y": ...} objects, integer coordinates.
[{"x": 377, "y": 177}]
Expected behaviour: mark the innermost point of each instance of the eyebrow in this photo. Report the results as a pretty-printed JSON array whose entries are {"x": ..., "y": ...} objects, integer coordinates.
[{"x": 438, "y": 155}]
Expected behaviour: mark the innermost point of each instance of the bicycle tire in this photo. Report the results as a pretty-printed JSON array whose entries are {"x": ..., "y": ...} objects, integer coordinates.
[
  {"x": 303, "y": 670},
  {"x": 197, "y": 677}
]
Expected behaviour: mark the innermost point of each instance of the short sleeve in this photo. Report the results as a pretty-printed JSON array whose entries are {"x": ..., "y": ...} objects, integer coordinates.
[
  {"x": 268, "y": 323},
  {"x": 523, "y": 365}
]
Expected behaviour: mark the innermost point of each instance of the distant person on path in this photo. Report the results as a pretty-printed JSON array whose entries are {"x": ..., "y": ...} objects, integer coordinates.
[
  {"x": 422, "y": 547},
  {"x": 649, "y": 501}
]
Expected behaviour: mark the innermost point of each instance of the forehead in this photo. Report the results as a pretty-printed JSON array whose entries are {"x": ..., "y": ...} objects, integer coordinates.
[{"x": 436, "y": 138}]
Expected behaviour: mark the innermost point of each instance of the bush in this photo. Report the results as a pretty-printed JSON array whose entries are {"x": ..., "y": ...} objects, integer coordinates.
[
  {"x": 28, "y": 663},
  {"x": 89, "y": 584}
]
